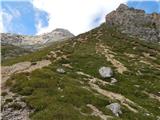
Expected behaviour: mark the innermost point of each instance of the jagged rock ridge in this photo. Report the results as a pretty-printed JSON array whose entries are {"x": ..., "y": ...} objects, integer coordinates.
[{"x": 136, "y": 23}]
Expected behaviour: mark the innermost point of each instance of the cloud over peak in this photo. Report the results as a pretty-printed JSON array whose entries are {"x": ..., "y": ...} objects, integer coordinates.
[{"x": 75, "y": 15}]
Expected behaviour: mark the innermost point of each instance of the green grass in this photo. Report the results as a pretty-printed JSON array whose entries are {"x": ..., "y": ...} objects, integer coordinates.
[
  {"x": 11, "y": 51},
  {"x": 57, "y": 96},
  {"x": 55, "y": 104},
  {"x": 35, "y": 56}
]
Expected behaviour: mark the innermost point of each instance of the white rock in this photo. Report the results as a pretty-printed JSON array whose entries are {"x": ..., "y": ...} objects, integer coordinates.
[
  {"x": 158, "y": 117},
  {"x": 60, "y": 70},
  {"x": 115, "y": 108},
  {"x": 113, "y": 80},
  {"x": 137, "y": 86},
  {"x": 147, "y": 114},
  {"x": 105, "y": 72}
]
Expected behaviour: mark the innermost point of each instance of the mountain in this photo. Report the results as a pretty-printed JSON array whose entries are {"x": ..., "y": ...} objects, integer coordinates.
[
  {"x": 102, "y": 74},
  {"x": 14, "y": 45},
  {"x": 23, "y": 40},
  {"x": 57, "y": 34},
  {"x": 136, "y": 23},
  {"x": 9, "y": 51}
]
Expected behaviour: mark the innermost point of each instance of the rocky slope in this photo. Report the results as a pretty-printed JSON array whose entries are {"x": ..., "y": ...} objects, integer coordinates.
[
  {"x": 16, "y": 45},
  {"x": 136, "y": 23},
  {"x": 21, "y": 40},
  {"x": 10, "y": 51},
  {"x": 92, "y": 76}
]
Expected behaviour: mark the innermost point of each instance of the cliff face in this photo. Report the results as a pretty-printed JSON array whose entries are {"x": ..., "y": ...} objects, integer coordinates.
[{"x": 136, "y": 23}]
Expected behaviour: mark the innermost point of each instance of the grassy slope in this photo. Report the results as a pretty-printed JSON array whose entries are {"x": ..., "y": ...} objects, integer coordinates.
[
  {"x": 11, "y": 51},
  {"x": 50, "y": 103}
]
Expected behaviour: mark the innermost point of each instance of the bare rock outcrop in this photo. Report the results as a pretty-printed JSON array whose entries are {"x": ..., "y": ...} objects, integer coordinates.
[{"x": 135, "y": 23}]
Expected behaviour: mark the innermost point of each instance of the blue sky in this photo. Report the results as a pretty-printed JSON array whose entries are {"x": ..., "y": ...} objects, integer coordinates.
[
  {"x": 22, "y": 17},
  {"x": 148, "y": 6},
  {"x": 31, "y": 17}
]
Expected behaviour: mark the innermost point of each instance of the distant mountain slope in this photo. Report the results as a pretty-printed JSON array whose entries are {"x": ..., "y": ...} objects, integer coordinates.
[
  {"x": 65, "y": 81},
  {"x": 16, "y": 45},
  {"x": 10, "y": 51},
  {"x": 136, "y": 23},
  {"x": 21, "y": 40}
]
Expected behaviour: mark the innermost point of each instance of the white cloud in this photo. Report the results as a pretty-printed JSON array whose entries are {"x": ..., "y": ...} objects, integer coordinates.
[
  {"x": 39, "y": 25},
  {"x": 1, "y": 22},
  {"x": 6, "y": 19},
  {"x": 74, "y": 15},
  {"x": 14, "y": 12}
]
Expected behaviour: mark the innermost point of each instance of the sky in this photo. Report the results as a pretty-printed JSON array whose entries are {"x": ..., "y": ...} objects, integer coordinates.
[{"x": 34, "y": 17}]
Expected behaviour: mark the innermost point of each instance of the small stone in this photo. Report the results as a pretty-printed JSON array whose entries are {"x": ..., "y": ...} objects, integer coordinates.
[
  {"x": 147, "y": 114},
  {"x": 59, "y": 88},
  {"x": 137, "y": 86},
  {"x": 113, "y": 80},
  {"x": 60, "y": 70},
  {"x": 115, "y": 108}
]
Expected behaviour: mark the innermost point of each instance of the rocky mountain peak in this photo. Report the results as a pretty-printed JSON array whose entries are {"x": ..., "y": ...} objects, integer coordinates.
[
  {"x": 135, "y": 23},
  {"x": 60, "y": 31},
  {"x": 122, "y": 7},
  {"x": 57, "y": 34},
  {"x": 63, "y": 32}
]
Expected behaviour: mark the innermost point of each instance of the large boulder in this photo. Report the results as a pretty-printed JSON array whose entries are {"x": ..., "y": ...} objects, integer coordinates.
[
  {"x": 115, "y": 108},
  {"x": 105, "y": 72}
]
